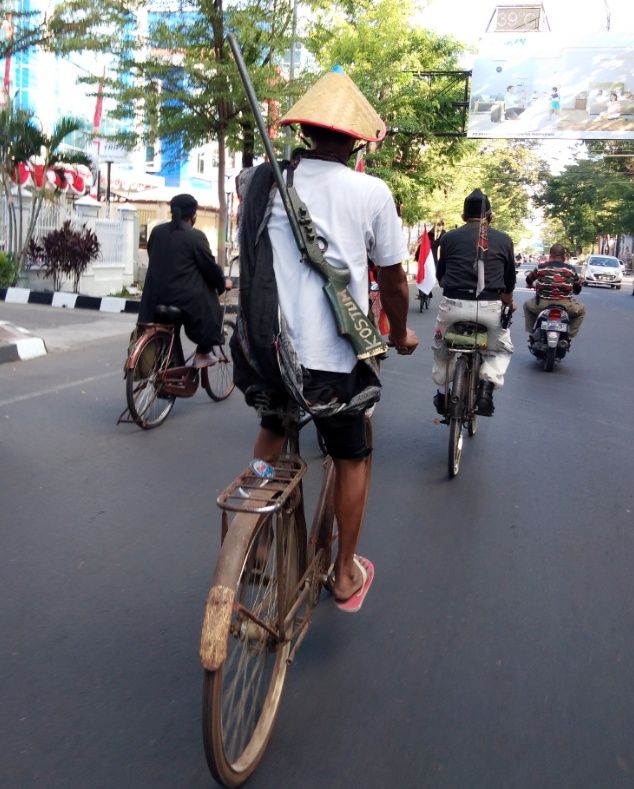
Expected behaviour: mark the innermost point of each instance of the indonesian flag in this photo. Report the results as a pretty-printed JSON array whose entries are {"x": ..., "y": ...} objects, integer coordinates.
[
  {"x": 96, "y": 121},
  {"x": 360, "y": 164},
  {"x": 426, "y": 276},
  {"x": 7, "y": 29}
]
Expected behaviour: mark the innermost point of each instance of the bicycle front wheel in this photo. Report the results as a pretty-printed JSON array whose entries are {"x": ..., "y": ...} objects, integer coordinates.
[
  {"x": 147, "y": 406},
  {"x": 455, "y": 446},
  {"x": 217, "y": 379},
  {"x": 242, "y": 697}
]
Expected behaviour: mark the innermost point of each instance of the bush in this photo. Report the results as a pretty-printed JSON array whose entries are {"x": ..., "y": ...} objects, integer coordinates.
[
  {"x": 65, "y": 253},
  {"x": 8, "y": 270}
]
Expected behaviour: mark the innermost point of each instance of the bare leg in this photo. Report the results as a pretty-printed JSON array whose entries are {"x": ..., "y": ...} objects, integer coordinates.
[
  {"x": 268, "y": 445},
  {"x": 352, "y": 484}
]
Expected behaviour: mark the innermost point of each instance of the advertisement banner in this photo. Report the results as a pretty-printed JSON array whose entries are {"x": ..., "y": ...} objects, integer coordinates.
[{"x": 538, "y": 85}]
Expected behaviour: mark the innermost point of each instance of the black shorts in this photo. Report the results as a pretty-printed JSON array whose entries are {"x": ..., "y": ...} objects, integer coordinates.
[{"x": 343, "y": 434}]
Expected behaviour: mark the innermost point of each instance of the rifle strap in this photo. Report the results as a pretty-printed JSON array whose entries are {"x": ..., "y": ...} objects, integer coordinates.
[{"x": 290, "y": 172}]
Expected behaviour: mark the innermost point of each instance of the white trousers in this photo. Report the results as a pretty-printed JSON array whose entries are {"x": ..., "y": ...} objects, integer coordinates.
[{"x": 497, "y": 356}]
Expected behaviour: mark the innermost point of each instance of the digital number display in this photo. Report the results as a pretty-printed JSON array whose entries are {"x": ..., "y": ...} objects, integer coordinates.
[{"x": 511, "y": 19}]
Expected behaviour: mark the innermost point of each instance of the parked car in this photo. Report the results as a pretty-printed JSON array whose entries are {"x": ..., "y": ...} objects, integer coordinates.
[{"x": 603, "y": 270}]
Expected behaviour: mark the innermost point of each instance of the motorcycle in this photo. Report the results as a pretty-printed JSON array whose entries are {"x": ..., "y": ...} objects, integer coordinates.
[{"x": 549, "y": 339}]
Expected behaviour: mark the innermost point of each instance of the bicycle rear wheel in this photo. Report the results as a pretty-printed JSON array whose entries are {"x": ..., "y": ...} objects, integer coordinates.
[
  {"x": 217, "y": 379},
  {"x": 456, "y": 413},
  {"x": 147, "y": 406},
  {"x": 241, "y": 698}
]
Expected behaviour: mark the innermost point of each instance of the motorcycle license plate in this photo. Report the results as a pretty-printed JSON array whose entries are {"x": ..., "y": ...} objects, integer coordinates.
[{"x": 554, "y": 326}]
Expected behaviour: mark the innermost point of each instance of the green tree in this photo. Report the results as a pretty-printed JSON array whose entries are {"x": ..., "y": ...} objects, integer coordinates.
[
  {"x": 509, "y": 172},
  {"x": 388, "y": 57},
  {"x": 23, "y": 143},
  {"x": 173, "y": 78},
  {"x": 23, "y": 28},
  {"x": 590, "y": 197}
]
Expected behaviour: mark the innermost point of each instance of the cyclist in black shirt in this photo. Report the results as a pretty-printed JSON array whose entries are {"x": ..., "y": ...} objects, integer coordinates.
[{"x": 457, "y": 273}]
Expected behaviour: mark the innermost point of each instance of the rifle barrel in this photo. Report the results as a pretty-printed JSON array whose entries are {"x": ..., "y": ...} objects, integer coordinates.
[{"x": 255, "y": 109}]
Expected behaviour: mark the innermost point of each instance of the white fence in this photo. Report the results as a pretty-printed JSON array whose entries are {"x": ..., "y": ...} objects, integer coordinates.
[{"x": 115, "y": 227}]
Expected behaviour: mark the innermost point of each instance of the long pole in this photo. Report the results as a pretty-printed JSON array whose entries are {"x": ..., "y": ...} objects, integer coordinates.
[
  {"x": 291, "y": 77},
  {"x": 255, "y": 109}
]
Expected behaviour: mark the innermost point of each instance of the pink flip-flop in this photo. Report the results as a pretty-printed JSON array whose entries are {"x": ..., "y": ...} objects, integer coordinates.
[{"x": 353, "y": 603}]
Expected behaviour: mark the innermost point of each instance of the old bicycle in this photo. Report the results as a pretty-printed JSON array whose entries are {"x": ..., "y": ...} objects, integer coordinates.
[
  {"x": 157, "y": 372},
  {"x": 466, "y": 341},
  {"x": 267, "y": 581}
]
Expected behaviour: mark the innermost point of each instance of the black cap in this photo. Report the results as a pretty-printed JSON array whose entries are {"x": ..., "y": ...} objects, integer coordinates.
[
  {"x": 183, "y": 206},
  {"x": 473, "y": 204}
]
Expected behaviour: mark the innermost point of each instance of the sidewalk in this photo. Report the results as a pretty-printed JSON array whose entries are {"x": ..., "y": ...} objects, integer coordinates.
[
  {"x": 17, "y": 343},
  {"x": 34, "y": 323}
]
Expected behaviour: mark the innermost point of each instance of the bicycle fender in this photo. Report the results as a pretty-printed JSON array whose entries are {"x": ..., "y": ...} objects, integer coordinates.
[
  {"x": 215, "y": 631},
  {"x": 220, "y": 600}
]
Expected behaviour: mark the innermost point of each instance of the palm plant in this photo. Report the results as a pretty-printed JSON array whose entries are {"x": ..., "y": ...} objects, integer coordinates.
[{"x": 24, "y": 143}]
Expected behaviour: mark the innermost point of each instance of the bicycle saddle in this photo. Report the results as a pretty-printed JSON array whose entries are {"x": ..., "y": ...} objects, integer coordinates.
[{"x": 167, "y": 314}]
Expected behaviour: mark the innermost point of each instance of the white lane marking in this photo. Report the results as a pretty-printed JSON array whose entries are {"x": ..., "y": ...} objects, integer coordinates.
[{"x": 59, "y": 388}]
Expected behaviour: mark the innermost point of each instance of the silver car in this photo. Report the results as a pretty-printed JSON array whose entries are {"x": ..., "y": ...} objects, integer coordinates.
[{"x": 603, "y": 270}]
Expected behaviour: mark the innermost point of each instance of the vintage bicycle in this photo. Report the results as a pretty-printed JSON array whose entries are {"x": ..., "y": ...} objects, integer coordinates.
[
  {"x": 156, "y": 371},
  {"x": 267, "y": 581},
  {"x": 465, "y": 341}
]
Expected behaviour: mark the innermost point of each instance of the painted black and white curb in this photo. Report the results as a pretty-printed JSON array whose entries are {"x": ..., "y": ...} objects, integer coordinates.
[
  {"x": 17, "y": 343},
  {"x": 68, "y": 300}
]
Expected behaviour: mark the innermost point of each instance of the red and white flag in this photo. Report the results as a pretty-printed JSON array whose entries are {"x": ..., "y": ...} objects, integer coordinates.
[
  {"x": 360, "y": 163},
  {"x": 7, "y": 29},
  {"x": 96, "y": 121},
  {"x": 426, "y": 275}
]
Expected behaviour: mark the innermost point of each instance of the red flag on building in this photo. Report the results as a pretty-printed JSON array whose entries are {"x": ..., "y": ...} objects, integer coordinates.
[
  {"x": 96, "y": 121},
  {"x": 426, "y": 275},
  {"x": 7, "y": 29}
]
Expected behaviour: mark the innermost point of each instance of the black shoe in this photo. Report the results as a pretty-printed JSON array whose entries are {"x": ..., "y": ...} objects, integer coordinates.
[
  {"x": 485, "y": 399},
  {"x": 439, "y": 403}
]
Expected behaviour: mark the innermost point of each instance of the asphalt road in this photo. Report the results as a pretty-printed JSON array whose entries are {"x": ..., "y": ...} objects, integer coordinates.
[{"x": 494, "y": 650}]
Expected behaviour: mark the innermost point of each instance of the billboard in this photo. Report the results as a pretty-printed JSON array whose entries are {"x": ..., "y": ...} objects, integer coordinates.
[{"x": 540, "y": 85}]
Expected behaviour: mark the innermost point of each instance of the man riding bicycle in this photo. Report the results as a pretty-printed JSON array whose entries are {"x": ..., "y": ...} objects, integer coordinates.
[
  {"x": 182, "y": 272},
  {"x": 462, "y": 301},
  {"x": 355, "y": 217}
]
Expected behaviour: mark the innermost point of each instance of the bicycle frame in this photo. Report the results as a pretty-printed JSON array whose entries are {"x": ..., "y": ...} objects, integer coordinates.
[
  {"x": 178, "y": 381},
  {"x": 267, "y": 498}
]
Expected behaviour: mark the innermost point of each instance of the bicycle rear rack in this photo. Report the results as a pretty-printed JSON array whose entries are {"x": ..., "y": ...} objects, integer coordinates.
[{"x": 250, "y": 493}]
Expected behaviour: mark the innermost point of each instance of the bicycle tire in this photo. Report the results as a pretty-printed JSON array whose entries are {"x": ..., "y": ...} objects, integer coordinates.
[
  {"x": 217, "y": 379},
  {"x": 241, "y": 698},
  {"x": 549, "y": 359},
  {"x": 472, "y": 420},
  {"x": 148, "y": 408},
  {"x": 456, "y": 416}
]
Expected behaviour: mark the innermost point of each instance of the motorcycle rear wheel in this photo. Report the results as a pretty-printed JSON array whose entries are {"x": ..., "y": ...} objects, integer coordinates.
[{"x": 549, "y": 359}]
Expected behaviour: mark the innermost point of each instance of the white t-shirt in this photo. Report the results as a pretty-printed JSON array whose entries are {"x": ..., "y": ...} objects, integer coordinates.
[{"x": 355, "y": 213}]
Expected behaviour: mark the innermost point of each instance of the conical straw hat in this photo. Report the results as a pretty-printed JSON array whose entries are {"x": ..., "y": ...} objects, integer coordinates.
[{"x": 335, "y": 102}]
